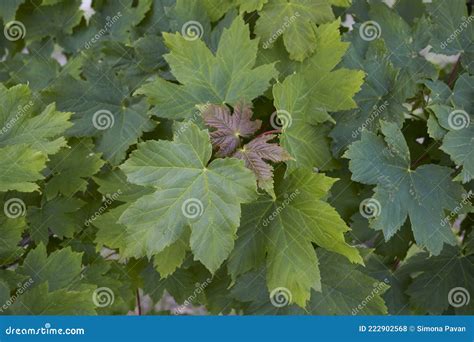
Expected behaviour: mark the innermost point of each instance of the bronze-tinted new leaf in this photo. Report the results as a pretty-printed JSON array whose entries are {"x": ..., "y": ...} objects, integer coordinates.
[
  {"x": 257, "y": 152},
  {"x": 229, "y": 127}
]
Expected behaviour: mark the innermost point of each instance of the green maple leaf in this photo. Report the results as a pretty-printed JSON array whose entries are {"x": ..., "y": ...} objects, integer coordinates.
[
  {"x": 395, "y": 297},
  {"x": 169, "y": 259},
  {"x": 58, "y": 215},
  {"x": 119, "y": 17},
  {"x": 60, "y": 269},
  {"x": 452, "y": 31},
  {"x": 404, "y": 43},
  {"x": 226, "y": 77},
  {"x": 454, "y": 121},
  {"x": 71, "y": 167},
  {"x": 189, "y": 191},
  {"x": 345, "y": 287},
  {"x": 27, "y": 138},
  {"x": 36, "y": 68},
  {"x": 10, "y": 235},
  {"x": 110, "y": 233},
  {"x": 285, "y": 229},
  {"x": 111, "y": 21},
  {"x": 458, "y": 144},
  {"x": 8, "y": 9},
  {"x": 217, "y": 8},
  {"x": 304, "y": 99},
  {"x": 104, "y": 110},
  {"x": 381, "y": 96},
  {"x": 20, "y": 125},
  {"x": 41, "y": 301},
  {"x": 422, "y": 194},
  {"x": 436, "y": 276},
  {"x": 250, "y": 6},
  {"x": 21, "y": 167},
  {"x": 180, "y": 285},
  {"x": 294, "y": 20},
  {"x": 49, "y": 20},
  {"x": 115, "y": 182}
]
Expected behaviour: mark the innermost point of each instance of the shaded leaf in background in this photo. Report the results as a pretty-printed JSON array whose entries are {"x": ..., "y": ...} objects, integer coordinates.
[{"x": 422, "y": 194}]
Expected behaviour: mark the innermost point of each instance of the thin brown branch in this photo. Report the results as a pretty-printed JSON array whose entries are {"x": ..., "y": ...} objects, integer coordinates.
[{"x": 139, "y": 303}]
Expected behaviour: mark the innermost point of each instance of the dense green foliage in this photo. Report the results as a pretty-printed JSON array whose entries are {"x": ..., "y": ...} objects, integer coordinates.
[{"x": 250, "y": 156}]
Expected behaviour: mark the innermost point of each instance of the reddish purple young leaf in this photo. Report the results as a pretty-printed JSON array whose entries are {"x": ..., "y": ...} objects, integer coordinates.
[
  {"x": 257, "y": 151},
  {"x": 229, "y": 127}
]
